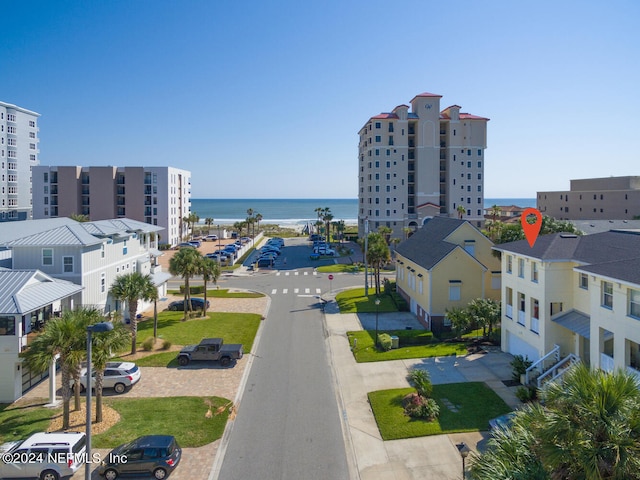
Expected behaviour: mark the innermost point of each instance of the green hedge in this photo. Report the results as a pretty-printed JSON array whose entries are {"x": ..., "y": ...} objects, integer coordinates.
[{"x": 194, "y": 289}]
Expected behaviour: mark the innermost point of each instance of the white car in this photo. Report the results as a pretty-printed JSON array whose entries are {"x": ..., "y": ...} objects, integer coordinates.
[
  {"x": 47, "y": 456},
  {"x": 117, "y": 375}
]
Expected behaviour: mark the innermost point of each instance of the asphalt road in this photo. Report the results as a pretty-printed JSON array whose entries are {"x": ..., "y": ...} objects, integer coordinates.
[{"x": 288, "y": 425}]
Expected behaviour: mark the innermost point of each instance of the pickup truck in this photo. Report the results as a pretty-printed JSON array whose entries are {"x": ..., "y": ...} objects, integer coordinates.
[{"x": 210, "y": 349}]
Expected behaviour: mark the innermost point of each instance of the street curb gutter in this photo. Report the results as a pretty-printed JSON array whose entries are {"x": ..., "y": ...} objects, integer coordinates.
[{"x": 224, "y": 442}]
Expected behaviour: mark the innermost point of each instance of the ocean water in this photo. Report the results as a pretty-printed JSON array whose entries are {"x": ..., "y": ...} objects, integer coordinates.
[{"x": 299, "y": 211}]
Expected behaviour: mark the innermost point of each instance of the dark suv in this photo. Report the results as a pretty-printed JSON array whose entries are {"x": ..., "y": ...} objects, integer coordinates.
[
  {"x": 158, "y": 455},
  {"x": 196, "y": 304}
]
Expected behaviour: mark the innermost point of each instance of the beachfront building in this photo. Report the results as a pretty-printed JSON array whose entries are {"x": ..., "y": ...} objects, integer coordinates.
[
  {"x": 158, "y": 196},
  {"x": 572, "y": 297},
  {"x": 418, "y": 162},
  {"x": 447, "y": 263},
  {"x": 18, "y": 154},
  {"x": 609, "y": 198},
  {"x": 89, "y": 254}
]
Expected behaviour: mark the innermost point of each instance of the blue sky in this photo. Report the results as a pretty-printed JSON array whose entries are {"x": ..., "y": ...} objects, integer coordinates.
[{"x": 264, "y": 99}]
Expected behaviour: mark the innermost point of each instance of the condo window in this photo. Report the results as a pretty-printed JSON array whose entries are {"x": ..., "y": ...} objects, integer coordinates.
[
  {"x": 47, "y": 256},
  {"x": 534, "y": 271},
  {"x": 378, "y": 125},
  {"x": 509, "y": 264},
  {"x": 509, "y": 302},
  {"x": 607, "y": 294},
  {"x": 378, "y": 138},
  {"x": 103, "y": 282},
  {"x": 67, "y": 264},
  {"x": 391, "y": 127},
  {"x": 634, "y": 303},
  {"x": 584, "y": 281},
  {"x": 469, "y": 152}
]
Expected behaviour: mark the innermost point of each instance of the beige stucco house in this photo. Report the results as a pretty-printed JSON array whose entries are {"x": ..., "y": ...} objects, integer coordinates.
[
  {"x": 446, "y": 263},
  {"x": 573, "y": 297}
]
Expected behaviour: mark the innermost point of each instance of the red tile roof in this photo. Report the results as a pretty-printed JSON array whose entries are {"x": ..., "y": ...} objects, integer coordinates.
[
  {"x": 385, "y": 116},
  {"x": 427, "y": 94}
]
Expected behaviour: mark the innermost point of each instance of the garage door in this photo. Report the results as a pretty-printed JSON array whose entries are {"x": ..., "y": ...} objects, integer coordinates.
[{"x": 517, "y": 346}]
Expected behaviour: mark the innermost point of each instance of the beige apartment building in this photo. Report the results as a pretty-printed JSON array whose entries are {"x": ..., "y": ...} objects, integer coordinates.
[
  {"x": 418, "y": 162},
  {"x": 609, "y": 198},
  {"x": 155, "y": 195},
  {"x": 18, "y": 154}
]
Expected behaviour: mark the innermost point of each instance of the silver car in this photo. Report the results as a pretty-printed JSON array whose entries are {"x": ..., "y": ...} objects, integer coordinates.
[{"x": 117, "y": 375}]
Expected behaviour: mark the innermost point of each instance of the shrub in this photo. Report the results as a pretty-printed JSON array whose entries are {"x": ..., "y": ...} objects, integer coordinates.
[
  {"x": 526, "y": 394},
  {"x": 384, "y": 342},
  {"x": 147, "y": 345},
  {"x": 417, "y": 406},
  {"x": 194, "y": 289},
  {"x": 421, "y": 381},
  {"x": 494, "y": 337},
  {"x": 520, "y": 365},
  {"x": 166, "y": 344}
]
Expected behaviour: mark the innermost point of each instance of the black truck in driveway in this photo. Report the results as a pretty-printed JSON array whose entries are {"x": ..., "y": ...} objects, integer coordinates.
[{"x": 210, "y": 349}]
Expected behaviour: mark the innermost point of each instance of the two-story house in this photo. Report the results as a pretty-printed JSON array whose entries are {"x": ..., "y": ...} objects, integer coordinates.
[
  {"x": 447, "y": 263},
  {"x": 571, "y": 297},
  {"x": 91, "y": 254},
  {"x": 28, "y": 299}
]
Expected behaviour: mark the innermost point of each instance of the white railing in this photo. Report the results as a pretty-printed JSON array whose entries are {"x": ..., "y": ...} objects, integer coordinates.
[
  {"x": 535, "y": 325},
  {"x": 539, "y": 365},
  {"x": 634, "y": 372},
  {"x": 509, "y": 311},
  {"x": 606, "y": 363},
  {"x": 556, "y": 371},
  {"x": 520, "y": 317}
]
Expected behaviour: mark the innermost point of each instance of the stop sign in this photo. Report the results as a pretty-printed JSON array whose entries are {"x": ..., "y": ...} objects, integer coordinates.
[{"x": 330, "y": 277}]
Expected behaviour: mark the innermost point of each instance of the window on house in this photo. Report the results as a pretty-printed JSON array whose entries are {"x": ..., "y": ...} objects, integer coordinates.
[
  {"x": 584, "y": 281},
  {"x": 7, "y": 326},
  {"x": 634, "y": 303},
  {"x": 103, "y": 283},
  {"x": 454, "y": 290},
  {"x": 521, "y": 306},
  {"x": 47, "y": 256},
  {"x": 470, "y": 247},
  {"x": 535, "y": 308},
  {"x": 67, "y": 264},
  {"x": 124, "y": 248},
  {"x": 102, "y": 251},
  {"x": 509, "y": 264},
  {"x": 607, "y": 294},
  {"x": 534, "y": 272},
  {"x": 521, "y": 267},
  {"x": 555, "y": 307}
]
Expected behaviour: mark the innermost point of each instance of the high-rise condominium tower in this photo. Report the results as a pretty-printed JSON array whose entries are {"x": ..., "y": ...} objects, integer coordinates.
[{"x": 418, "y": 162}]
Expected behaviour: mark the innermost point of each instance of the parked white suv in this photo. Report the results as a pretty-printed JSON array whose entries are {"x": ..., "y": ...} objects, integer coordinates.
[
  {"x": 117, "y": 375},
  {"x": 47, "y": 456}
]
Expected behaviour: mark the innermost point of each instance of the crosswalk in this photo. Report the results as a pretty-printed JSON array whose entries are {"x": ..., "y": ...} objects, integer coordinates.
[
  {"x": 286, "y": 274},
  {"x": 297, "y": 291}
]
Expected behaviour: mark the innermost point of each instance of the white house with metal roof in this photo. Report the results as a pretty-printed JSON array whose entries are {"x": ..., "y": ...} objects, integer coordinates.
[
  {"x": 572, "y": 297},
  {"x": 90, "y": 254},
  {"x": 28, "y": 299}
]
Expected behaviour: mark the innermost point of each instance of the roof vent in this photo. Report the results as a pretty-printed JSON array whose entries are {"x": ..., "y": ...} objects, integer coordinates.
[{"x": 568, "y": 235}]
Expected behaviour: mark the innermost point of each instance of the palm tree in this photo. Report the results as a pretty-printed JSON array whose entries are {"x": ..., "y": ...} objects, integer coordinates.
[
  {"x": 185, "y": 264},
  {"x": 64, "y": 336},
  {"x": 131, "y": 288},
  {"x": 185, "y": 221},
  {"x": 258, "y": 220},
  {"x": 102, "y": 346},
  {"x": 250, "y": 220},
  {"x": 385, "y": 232},
  {"x": 407, "y": 232},
  {"x": 193, "y": 219},
  {"x": 461, "y": 211},
  {"x": 210, "y": 271},
  {"x": 79, "y": 217},
  {"x": 589, "y": 428},
  {"x": 208, "y": 222},
  {"x": 327, "y": 216},
  {"x": 377, "y": 256},
  {"x": 339, "y": 227}
]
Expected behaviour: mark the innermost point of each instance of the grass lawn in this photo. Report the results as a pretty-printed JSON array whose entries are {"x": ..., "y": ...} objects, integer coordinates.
[
  {"x": 476, "y": 404},
  {"x": 339, "y": 268},
  {"x": 366, "y": 351},
  {"x": 18, "y": 421},
  {"x": 232, "y": 327},
  {"x": 222, "y": 293},
  {"x": 354, "y": 301},
  {"x": 183, "y": 417}
]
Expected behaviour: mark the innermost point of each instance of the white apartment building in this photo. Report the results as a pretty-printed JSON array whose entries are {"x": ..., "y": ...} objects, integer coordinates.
[
  {"x": 573, "y": 297},
  {"x": 18, "y": 155},
  {"x": 155, "y": 195},
  {"x": 418, "y": 162}
]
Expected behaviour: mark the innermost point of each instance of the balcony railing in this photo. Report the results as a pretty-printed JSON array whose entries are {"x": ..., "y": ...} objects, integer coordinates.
[
  {"x": 606, "y": 363},
  {"x": 634, "y": 372},
  {"x": 520, "y": 317},
  {"x": 535, "y": 325},
  {"x": 509, "y": 312}
]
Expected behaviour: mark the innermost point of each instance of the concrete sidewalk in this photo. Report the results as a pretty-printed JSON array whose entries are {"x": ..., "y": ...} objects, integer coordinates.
[{"x": 425, "y": 458}]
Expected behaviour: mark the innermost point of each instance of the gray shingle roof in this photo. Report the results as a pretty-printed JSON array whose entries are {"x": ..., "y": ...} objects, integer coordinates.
[
  {"x": 427, "y": 246},
  {"x": 625, "y": 270},
  {"x": 23, "y": 291}
]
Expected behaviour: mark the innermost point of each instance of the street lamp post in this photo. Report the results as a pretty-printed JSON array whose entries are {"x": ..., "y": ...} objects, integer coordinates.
[
  {"x": 464, "y": 453},
  {"x": 377, "y": 302},
  {"x": 366, "y": 263},
  {"x": 98, "y": 327}
]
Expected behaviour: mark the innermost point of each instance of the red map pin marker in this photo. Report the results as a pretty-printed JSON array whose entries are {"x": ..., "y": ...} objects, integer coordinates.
[{"x": 531, "y": 230}]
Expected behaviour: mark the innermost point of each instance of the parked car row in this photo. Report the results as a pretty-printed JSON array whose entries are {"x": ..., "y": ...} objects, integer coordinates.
[
  {"x": 320, "y": 247},
  {"x": 52, "y": 456},
  {"x": 268, "y": 253}
]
